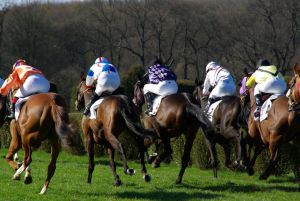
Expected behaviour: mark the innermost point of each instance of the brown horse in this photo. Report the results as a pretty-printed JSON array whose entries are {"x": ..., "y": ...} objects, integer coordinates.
[
  {"x": 177, "y": 114},
  {"x": 43, "y": 116},
  {"x": 115, "y": 114},
  {"x": 226, "y": 119},
  {"x": 280, "y": 127}
]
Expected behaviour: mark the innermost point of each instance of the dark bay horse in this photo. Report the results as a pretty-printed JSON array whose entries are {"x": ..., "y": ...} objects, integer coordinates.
[
  {"x": 226, "y": 119},
  {"x": 43, "y": 116},
  {"x": 280, "y": 127},
  {"x": 115, "y": 114},
  {"x": 177, "y": 114}
]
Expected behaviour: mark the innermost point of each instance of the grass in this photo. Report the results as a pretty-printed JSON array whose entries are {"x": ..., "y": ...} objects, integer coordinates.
[{"x": 69, "y": 183}]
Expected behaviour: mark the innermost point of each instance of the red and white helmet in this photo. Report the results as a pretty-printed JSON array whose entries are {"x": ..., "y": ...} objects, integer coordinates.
[
  {"x": 101, "y": 60},
  {"x": 19, "y": 62}
]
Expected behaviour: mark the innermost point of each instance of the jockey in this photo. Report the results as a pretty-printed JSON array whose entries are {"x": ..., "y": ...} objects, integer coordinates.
[
  {"x": 162, "y": 81},
  {"x": 29, "y": 80},
  {"x": 268, "y": 80},
  {"x": 107, "y": 78},
  {"x": 218, "y": 83}
]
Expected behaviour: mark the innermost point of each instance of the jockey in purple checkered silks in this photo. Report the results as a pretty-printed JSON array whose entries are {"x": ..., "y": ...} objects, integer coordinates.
[{"x": 161, "y": 81}]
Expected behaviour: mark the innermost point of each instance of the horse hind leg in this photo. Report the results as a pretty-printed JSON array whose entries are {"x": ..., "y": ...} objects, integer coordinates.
[
  {"x": 189, "y": 140},
  {"x": 52, "y": 164},
  {"x": 112, "y": 164},
  {"x": 273, "y": 148},
  {"x": 143, "y": 153},
  {"x": 114, "y": 142},
  {"x": 15, "y": 145}
]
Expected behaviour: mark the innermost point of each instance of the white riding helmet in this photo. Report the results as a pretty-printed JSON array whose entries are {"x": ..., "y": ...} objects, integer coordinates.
[
  {"x": 212, "y": 65},
  {"x": 101, "y": 60}
]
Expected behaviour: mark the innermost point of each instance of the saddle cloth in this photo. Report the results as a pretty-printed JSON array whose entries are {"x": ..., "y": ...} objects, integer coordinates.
[
  {"x": 211, "y": 110},
  {"x": 94, "y": 107},
  {"x": 264, "y": 111},
  {"x": 156, "y": 104},
  {"x": 19, "y": 103}
]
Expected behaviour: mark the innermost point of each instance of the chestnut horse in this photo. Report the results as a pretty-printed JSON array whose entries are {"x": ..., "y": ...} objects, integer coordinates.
[
  {"x": 226, "y": 119},
  {"x": 115, "y": 114},
  {"x": 177, "y": 114},
  {"x": 43, "y": 116},
  {"x": 280, "y": 127}
]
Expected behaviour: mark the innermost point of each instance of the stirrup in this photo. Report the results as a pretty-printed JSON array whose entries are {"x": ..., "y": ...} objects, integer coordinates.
[{"x": 256, "y": 116}]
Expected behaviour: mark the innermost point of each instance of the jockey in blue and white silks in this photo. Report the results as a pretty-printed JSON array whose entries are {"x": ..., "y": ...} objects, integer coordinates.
[
  {"x": 268, "y": 80},
  {"x": 218, "y": 83},
  {"x": 107, "y": 78},
  {"x": 162, "y": 82}
]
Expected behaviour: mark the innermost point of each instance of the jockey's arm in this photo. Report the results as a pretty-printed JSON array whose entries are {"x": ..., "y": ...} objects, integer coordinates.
[
  {"x": 90, "y": 79},
  {"x": 11, "y": 81},
  {"x": 206, "y": 86},
  {"x": 251, "y": 81}
]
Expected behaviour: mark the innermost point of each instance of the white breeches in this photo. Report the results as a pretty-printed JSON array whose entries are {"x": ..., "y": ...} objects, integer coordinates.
[
  {"x": 163, "y": 88},
  {"x": 33, "y": 84},
  {"x": 107, "y": 81},
  {"x": 224, "y": 87},
  {"x": 273, "y": 85}
]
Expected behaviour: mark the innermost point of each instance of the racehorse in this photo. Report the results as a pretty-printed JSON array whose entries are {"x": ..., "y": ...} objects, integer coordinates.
[
  {"x": 226, "y": 118},
  {"x": 281, "y": 126},
  {"x": 43, "y": 116},
  {"x": 176, "y": 114},
  {"x": 115, "y": 114}
]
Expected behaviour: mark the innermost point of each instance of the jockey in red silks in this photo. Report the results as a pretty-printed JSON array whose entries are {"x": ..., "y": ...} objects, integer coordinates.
[
  {"x": 107, "y": 78},
  {"x": 29, "y": 80}
]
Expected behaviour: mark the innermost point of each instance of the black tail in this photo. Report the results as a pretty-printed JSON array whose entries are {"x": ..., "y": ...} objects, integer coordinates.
[
  {"x": 205, "y": 124},
  {"x": 136, "y": 127}
]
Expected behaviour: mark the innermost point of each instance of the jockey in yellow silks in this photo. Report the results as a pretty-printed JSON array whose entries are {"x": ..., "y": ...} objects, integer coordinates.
[
  {"x": 268, "y": 80},
  {"x": 29, "y": 80}
]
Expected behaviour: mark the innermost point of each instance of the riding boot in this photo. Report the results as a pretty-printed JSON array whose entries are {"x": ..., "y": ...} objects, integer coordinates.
[
  {"x": 208, "y": 104},
  {"x": 12, "y": 111},
  {"x": 148, "y": 99},
  {"x": 258, "y": 102},
  {"x": 90, "y": 103}
]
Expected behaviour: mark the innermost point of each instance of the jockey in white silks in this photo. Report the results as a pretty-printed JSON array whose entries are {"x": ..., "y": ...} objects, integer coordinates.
[
  {"x": 29, "y": 80},
  {"x": 268, "y": 80},
  {"x": 218, "y": 83},
  {"x": 107, "y": 78},
  {"x": 162, "y": 82}
]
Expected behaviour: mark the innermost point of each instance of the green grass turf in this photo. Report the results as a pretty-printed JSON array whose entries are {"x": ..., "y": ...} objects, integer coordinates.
[{"x": 69, "y": 183}]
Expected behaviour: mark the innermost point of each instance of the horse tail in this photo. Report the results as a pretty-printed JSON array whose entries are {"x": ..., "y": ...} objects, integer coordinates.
[
  {"x": 202, "y": 118},
  {"x": 60, "y": 117},
  {"x": 136, "y": 127}
]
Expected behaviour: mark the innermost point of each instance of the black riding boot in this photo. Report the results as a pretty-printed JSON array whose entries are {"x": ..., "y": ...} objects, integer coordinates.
[
  {"x": 258, "y": 102},
  {"x": 92, "y": 101},
  {"x": 12, "y": 111},
  {"x": 148, "y": 99}
]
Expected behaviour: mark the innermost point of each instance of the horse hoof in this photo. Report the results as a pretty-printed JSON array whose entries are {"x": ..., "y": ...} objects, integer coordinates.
[
  {"x": 16, "y": 177},
  {"x": 130, "y": 171},
  {"x": 28, "y": 180},
  {"x": 178, "y": 181},
  {"x": 250, "y": 171},
  {"x": 147, "y": 178},
  {"x": 155, "y": 165},
  {"x": 262, "y": 177},
  {"x": 118, "y": 183}
]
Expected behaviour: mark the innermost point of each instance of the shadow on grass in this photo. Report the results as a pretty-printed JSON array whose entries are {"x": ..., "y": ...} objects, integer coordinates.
[
  {"x": 232, "y": 187},
  {"x": 166, "y": 196}
]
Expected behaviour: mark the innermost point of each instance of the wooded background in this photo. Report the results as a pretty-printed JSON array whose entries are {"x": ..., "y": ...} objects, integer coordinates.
[{"x": 64, "y": 39}]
